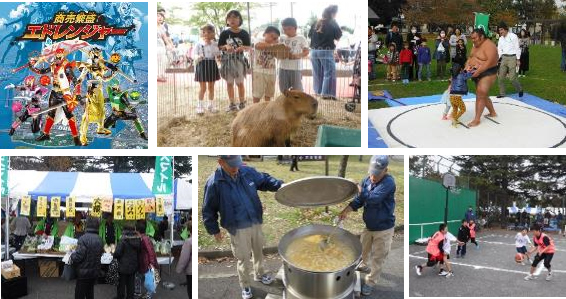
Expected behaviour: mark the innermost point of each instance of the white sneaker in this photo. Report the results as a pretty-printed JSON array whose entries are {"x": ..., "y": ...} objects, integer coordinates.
[
  {"x": 265, "y": 279},
  {"x": 211, "y": 109},
  {"x": 247, "y": 293},
  {"x": 450, "y": 274},
  {"x": 549, "y": 277},
  {"x": 419, "y": 270},
  {"x": 443, "y": 273},
  {"x": 200, "y": 110},
  {"x": 529, "y": 277}
]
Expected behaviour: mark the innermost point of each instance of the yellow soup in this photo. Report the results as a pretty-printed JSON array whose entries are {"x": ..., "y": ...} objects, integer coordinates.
[{"x": 306, "y": 253}]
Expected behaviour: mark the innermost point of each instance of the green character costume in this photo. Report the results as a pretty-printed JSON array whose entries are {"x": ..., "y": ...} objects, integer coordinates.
[{"x": 119, "y": 100}]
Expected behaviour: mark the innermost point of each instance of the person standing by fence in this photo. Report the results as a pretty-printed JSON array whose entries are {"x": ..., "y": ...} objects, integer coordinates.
[
  {"x": 233, "y": 42},
  {"x": 323, "y": 35},
  {"x": 290, "y": 69}
]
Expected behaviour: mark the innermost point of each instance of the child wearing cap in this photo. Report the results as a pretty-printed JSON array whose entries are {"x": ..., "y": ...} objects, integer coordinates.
[{"x": 377, "y": 196}]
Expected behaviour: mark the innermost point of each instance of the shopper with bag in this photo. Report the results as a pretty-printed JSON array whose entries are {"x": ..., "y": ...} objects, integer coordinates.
[
  {"x": 185, "y": 261},
  {"x": 127, "y": 252},
  {"x": 86, "y": 260},
  {"x": 148, "y": 258}
]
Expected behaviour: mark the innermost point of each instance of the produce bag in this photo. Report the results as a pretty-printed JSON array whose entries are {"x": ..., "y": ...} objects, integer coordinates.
[
  {"x": 70, "y": 231},
  {"x": 40, "y": 227},
  {"x": 149, "y": 281},
  {"x": 112, "y": 276},
  {"x": 185, "y": 233},
  {"x": 69, "y": 272},
  {"x": 149, "y": 229}
]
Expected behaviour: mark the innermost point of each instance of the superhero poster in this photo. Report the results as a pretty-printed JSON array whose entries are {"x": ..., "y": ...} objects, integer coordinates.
[{"x": 73, "y": 74}]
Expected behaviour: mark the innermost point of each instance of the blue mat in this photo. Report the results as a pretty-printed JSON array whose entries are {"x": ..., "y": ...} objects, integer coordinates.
[
  {"x": 374, "y": 139},
  {"x": 386, "y": 96},
  {"x": 542, "y": 104}
]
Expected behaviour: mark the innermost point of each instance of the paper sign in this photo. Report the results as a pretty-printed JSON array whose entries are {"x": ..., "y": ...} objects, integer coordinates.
[
  {"x": 140, "y": 209},
  {"x": 41, "y": 206},
  {"x": 96, "y": 210},
  {"x": 25, "y": 205},
  {"x": 118, "y": 209},
  {"x": 150, "y": 205},
  {"x": 168, "y": 206},
  {"x": 107, "y": 205},
  {"x": 55, "y": 206},
  {"x": 159, "y": 207},
  {"x": 70, "y": 208},
  {"x": 130, "y": 209}
]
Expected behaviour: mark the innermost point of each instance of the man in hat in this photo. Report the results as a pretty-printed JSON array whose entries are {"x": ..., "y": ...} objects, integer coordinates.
[
  {"x": 377, "y": 197},
  {"x": 231, "y": 193}
]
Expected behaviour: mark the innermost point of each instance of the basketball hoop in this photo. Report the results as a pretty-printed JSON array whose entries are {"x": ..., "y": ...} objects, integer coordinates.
[{"x": 449, "y": 180}]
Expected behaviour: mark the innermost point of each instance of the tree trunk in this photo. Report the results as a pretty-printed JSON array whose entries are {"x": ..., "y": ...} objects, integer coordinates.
[{"x": 343, "y": 165}]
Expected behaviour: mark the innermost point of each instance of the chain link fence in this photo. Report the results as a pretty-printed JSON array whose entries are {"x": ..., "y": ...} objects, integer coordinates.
[{"x": 178, "y": 94}]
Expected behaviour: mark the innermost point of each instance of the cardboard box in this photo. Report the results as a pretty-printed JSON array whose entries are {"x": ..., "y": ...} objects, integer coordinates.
[
  {"x": 48, "y": 268},
  {"x": 14, "y": 288},
  {"x": 13, "y": 273}
]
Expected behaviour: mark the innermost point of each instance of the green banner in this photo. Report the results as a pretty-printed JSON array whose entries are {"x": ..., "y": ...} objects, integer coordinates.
[
  {"x": 4, "y": 169},
  {"x": 163, "y": 177},
  {"x": 482, "y": 21}
]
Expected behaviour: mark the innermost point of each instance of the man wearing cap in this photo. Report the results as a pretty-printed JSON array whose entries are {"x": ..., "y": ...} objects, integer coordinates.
[
  {"x": 231, "y": 193},
  {"x": 377, "y": 196}
]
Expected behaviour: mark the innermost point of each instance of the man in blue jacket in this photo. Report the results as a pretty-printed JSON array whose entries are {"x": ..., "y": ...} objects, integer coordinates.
[
  {"x": 377, "y": 197},
  {"x": 231, "y": 193}
]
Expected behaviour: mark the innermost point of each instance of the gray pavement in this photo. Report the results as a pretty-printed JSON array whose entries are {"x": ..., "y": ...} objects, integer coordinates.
[
  {"x": 57, "y": 288},
  {"x": 489, "y": 271},
  {"x": 218, "y": 279}
]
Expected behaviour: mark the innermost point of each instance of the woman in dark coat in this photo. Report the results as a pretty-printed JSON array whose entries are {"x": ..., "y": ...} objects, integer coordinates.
[
  {"x": 86, "y": 260},
  {"x": 127, "y": 252}
]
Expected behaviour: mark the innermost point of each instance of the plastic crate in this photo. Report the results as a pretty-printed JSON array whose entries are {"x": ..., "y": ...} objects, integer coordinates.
[{"x": 333, "y": 136}]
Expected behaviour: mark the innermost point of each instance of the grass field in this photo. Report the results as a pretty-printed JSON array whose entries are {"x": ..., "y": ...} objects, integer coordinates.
[
  {"x": 544, "y": 79},
  {"x": 279, "y": 219}
]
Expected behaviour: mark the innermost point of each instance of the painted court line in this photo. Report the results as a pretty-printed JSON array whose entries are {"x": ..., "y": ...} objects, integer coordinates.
[{"x": 477, "y": 267}]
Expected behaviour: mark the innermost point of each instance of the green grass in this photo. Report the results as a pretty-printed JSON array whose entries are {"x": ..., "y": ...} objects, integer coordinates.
[
  {"x": 279, "y": 219},
  {"x": 544, "y": 79}
]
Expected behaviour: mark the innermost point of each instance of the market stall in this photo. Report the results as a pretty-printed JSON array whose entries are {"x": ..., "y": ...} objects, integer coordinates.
[{"x": 59, "y": 195}]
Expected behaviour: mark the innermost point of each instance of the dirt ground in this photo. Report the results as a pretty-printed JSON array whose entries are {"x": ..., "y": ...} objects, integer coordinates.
[{"x": 211, "y": 130}]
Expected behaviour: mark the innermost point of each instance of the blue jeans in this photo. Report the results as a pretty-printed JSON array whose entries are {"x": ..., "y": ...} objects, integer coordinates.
[
  {"x": 563, "y": 64},
  {"x": 427, "y": 68},
  {"x": 461, "y": 250},
  {"x": 323, "y": 72}
]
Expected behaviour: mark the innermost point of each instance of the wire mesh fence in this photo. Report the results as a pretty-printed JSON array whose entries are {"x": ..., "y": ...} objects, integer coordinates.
[{"x": 179, "y": 70}]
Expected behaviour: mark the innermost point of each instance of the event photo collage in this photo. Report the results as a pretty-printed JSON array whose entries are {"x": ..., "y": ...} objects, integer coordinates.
[{"x": 465, "y": 113}]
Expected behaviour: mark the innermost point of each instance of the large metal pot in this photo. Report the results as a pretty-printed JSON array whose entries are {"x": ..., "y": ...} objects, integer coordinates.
[{"x": 305, "y": 284}]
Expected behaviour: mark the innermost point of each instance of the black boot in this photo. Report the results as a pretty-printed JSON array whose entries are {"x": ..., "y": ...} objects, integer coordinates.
[
  {"x": 43, "y": 137},
  {"x": 12, "y": 131},
  {"x": 77, "y": 141},
  {"x": 143, "y": 135}
]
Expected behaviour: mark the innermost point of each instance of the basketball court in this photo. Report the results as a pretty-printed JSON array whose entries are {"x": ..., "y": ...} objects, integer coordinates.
[
  {"x": 416, "y": 122},
  {"x": 490, "y": 271}
]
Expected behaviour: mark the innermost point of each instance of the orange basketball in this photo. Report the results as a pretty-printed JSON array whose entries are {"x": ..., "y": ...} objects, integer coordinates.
[{"x": 518, "y": 257}]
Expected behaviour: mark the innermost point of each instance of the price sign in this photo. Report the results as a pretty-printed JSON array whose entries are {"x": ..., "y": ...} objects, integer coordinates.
[
  {"x": 70, "y": 208},
  {"x": 96, "y": 207},
  {"x": 160, "y": 207},
  {"x": 130, "y": 209},
  {"x": 150, "y": 205},
  {"x": 55, "y": 206},
  {"x": 41, "y": 206},
  {"x": 118, "y": 209},
  {"x": 107, "y": 205},
  {"x": 140, "y": 209},
  {"x": 25, "y": 205}
]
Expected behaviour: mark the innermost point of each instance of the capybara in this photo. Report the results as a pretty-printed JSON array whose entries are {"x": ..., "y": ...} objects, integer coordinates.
[{"x": 272, "y": 123}]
